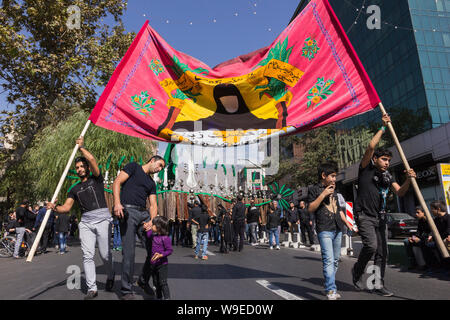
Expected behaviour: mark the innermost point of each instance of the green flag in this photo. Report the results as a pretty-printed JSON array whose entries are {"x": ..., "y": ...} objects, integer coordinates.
[
  {"x": 224, "y": 169},
  {"x": 216, "y": 165},
  {"x": 234, "y": 170}
]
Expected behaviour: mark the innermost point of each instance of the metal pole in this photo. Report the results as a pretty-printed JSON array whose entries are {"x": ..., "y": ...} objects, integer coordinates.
[
  {"x": 58, "y": 188},
  {"x": 419, "y": 195}
]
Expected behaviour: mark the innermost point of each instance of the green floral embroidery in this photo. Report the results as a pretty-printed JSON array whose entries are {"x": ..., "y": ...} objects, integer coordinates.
[
  {"x": 310, "y": 49},
  {"x": 142, "y": 103},
  {"x": 319, "y": 92},
  {"x": 275, "y": 88},
  {"x": 156, "y": 66}
]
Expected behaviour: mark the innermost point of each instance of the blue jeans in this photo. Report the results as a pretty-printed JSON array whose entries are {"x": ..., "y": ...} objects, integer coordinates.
[
  {"x": 202, "y": 240},
  {"x": 117, "y": 241},
  {"x": 274, "y": 231},
  {"x": 330, "y": 247},
  {"x": 62, "y": 241}
]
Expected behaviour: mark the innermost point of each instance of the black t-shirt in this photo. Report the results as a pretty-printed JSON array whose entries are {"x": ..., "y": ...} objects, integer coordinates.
[
  {"x": 372, "y": 193},
  {"x": 292, "y": 215},
  {"x": 443, "y": 225},
  {"x": 253, "y": 214},
  {"x": 327, "y": 215},
  {"x": 304, "y": 215},
  {"x": 196, "y": 211},
  {"x": 138, "y": 187},
  {"x": 203, "y": 219},
  {"x": 90, "y": 194},
  {"x": 238, "y": 212},
  {"x": 21, "y": 212}
]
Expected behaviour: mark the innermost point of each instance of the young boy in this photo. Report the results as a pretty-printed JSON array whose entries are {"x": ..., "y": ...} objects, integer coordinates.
[{"x": 324, "y": 205}]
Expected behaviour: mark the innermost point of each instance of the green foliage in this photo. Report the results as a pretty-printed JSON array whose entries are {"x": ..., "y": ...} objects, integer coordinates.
[
  {"x": 48, "y": 70},
  {"x": 44, "y": 162}
]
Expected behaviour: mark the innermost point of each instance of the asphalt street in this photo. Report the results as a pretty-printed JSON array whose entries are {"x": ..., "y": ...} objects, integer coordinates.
[{"x": 256, "y": 273}]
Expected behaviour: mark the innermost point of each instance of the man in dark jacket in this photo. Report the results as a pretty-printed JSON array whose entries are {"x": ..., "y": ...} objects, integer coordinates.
[
  {"x": 238, "y": 220},
  {"x": 47, "y": 229},
  {"x": 293, "y": 219},
  {"x": 253, "y": 217},
  {"x": 273, "y": 222},
  {"x": 306, "y": 224},
  {"x": 62, "y": 226},
  {"x": 21, "y": 213}
]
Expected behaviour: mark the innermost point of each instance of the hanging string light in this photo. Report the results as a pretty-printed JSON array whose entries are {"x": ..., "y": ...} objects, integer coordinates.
[{"x": 382, "y": 21}]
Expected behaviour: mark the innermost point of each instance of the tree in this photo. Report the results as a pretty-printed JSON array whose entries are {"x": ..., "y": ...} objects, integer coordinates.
[
  {"x": 46, "y": 67},
  {"x": 319, "y": 146},
  {"x": 37, "y": 176}
]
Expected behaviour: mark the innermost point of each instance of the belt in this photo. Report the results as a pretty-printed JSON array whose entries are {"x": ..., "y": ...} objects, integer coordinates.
[{"x": 130, "y": 206}]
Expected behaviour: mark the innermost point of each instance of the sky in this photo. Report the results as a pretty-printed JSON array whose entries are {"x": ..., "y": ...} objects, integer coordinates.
[{"x": 211, "y": 31}]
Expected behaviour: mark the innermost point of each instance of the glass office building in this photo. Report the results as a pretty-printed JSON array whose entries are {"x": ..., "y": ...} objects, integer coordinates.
[{"x": 408, "y": 61}]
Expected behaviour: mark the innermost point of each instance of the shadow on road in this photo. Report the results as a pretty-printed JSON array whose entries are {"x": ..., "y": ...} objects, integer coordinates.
[{"x": 303, "y": 292}]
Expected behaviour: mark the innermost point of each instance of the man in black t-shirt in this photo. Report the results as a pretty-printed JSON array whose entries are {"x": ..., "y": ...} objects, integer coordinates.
[
  {"x": 95, "y": 224},
  {"x": 374, "y": 182},
  {"x": 130, "y": 206}
]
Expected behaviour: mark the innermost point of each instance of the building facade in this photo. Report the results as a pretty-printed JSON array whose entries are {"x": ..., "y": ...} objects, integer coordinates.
[{"x": 408, "y": 60}]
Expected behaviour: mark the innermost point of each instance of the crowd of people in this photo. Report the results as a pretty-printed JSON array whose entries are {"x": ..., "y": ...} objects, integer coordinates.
[
  {"x": 321, "y": 215},
  {"x": 24, "y": 224}
]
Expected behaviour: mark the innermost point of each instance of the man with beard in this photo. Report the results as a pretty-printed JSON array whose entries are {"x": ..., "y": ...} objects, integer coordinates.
[
  {"x": 95, "y": 224},
  {"x": 130, "y": 206}
]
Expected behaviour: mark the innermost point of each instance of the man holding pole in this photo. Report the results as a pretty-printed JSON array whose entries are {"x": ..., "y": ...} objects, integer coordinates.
[
  {"x": 95, "y": 224},
  {"x": 374, "y": 182},
  {"x": 130, "y": 206}
]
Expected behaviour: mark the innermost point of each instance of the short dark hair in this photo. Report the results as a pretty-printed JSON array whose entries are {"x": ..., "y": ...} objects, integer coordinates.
[
  {"x": 379, "y": 152},
  {"x": 196, "y": 202},
  {"x": 239, "y": 198},
  {"x": 420, "y": 208},
  {"x": 328, "y": 168},
  {"x": 25, "y": 202},
  {"x": 162, "y": 225},
  {"x": 438, "y": 205},
  {"x": 157, "y": 158}
]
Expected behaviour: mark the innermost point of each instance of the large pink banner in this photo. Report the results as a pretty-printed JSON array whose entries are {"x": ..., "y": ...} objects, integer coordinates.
[{"x": 308, "y": 77}]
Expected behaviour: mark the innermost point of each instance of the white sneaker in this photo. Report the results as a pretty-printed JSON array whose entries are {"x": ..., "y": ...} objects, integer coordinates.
[
  {"x": 271, "y": 248},
  {"x": 331, "y": 295},
  {"x": 278, "y": 247},
  {"x": 338, "y": 296},
  {"x": 254, "y": 244}
]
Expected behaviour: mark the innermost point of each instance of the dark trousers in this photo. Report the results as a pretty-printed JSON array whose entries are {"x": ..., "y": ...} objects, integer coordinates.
[
  {"x": 305, "y": 227},
  {"x": 159, "y": 275},
  {"x": 128, "y": 230},
  {"x": 373, "y": 232},
  {"x": 45, "y": 237},
  {"x": 239, "y": 230}
]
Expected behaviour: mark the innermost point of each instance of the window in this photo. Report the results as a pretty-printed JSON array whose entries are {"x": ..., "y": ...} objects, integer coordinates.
[
  {"x": 446, "y": 37},
  {"x": 444, "y": 114},
  {"x": 431, "y": 98},
  {"x": 436, "y": 75},
  {"x": 441, "y": 98},
  {"x": 435, "y": 115},
  {"x": 424, "y": 58},
  {"x": 433, "y": 59}
]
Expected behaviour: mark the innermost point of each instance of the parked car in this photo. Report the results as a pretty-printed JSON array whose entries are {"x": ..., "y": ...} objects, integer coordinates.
[{"x": 400, "y": 224}]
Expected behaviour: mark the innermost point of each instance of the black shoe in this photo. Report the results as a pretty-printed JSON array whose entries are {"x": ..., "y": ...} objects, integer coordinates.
[
  {"x": 90, "y": 295},
  {"x": 128, "y": 296},
  {"x": 383, "y": 292},
  {"x": 356, "y": 282},
  {"x": 109, "y": 285},
  {"x": 145, "y": 286}
]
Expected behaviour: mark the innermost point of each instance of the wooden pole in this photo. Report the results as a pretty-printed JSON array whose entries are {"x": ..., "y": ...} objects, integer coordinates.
[
  {"x": 55, "y": 195},
  {"x": 436, "y": 235}
]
